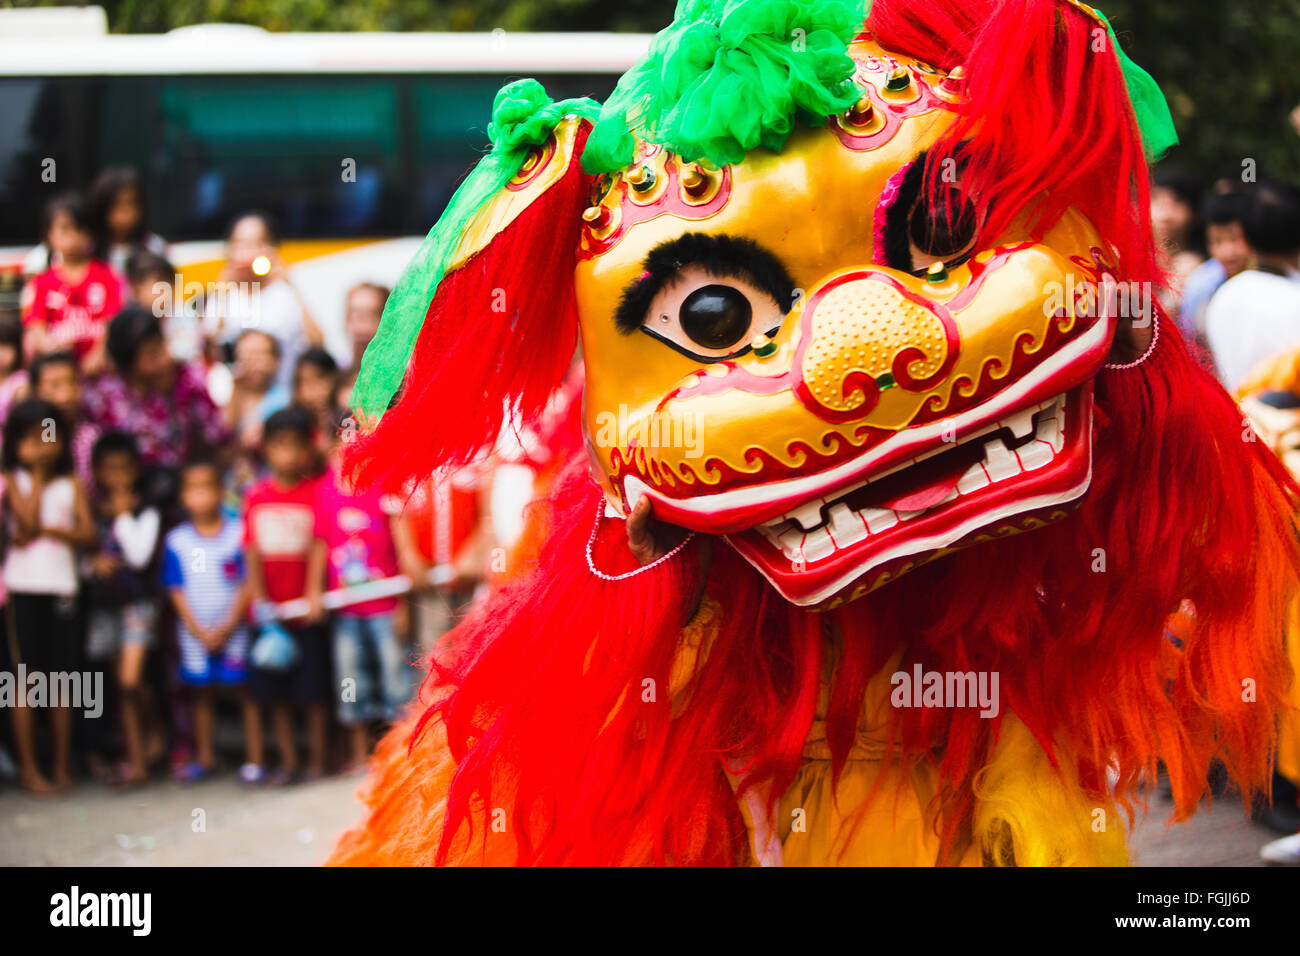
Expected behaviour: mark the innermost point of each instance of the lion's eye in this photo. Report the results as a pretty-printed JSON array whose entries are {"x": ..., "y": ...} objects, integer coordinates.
[
  {"x": 708, "y": 317},
  {"x": 943, "y": 228},
  {"x": 716, "y": 316},
  {"x": 920, "y": 229}
]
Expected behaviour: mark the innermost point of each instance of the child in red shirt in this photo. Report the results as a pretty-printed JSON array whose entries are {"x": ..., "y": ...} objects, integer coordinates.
[
  {"x": 286, "y": 562},
  {"x": 70, "y": 304}
]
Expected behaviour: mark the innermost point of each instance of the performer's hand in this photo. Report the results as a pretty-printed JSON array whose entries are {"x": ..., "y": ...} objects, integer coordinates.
[{"x": 650, "y": 539}]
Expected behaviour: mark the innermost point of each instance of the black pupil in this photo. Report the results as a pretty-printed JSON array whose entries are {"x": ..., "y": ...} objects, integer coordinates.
[
  {"x": 945, "y": 228},
  {"x": 716, "y": 316}
]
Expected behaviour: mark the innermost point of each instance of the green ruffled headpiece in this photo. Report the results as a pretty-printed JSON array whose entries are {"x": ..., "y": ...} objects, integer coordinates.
[{"x": 731, "y": 75}]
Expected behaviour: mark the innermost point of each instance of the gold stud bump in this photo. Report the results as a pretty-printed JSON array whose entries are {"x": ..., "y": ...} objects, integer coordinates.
[
  {"x": 694, "y": 181},
  {"x": 859, "y": 114},
  {"x": 899, "y": 80},
  {"x": 642, "y": 178},
  {"x": 596, "y": 216},
  {"x": 954, "y": 81}
]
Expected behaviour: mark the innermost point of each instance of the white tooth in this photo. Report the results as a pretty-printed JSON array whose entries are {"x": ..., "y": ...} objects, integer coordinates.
[
  {"x": 906, "y": 515},
  {"x": 1034, "y": 455},
  {"x": 878, "y": 519},
  {"x": 999, "y": 462},
  {"x": 791, "y": 542},
  {"x": 1052, "y": 430},
  {"x": 1021, "y": 423},
  {"x": 773, "y": 530},
  {"x": 818, "y": 545},
  {"x": 846, "y": 527},
  {"x": 974, "y": 479},
  {"x": 809, "y": 514}
]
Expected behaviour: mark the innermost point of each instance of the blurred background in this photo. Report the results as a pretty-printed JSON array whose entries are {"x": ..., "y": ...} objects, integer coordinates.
[{"x": 225, "y": 107}]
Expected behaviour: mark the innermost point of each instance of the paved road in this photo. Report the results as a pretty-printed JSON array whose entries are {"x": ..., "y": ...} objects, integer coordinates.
[
  {"x": 220, "y": 823},
  {"x": 1221, "y": 834}
]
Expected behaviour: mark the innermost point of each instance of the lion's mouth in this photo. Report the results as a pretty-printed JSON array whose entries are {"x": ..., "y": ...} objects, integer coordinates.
[{"x": 1036, "y": 458}]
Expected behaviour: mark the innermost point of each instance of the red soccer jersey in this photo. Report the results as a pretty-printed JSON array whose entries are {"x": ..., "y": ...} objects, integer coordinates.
[
  {"x": 75, "y": 313},
  {"x": 278, "y": 522}
]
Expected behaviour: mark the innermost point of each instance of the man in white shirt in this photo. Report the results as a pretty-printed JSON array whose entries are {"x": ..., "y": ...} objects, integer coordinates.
[{"x": 1256, "y": 314}]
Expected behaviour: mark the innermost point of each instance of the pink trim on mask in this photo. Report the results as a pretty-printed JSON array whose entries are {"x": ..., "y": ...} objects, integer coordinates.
[{"x": 887, "y": 197}]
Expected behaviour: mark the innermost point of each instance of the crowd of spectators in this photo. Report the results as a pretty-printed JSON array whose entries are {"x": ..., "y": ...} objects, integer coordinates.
[
  {"x": 175, "y": 515},
  {"x": 1232, "y": 250}
]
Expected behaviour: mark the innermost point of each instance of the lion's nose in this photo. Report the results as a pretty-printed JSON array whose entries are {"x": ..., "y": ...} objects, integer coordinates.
[{"x": 863, "y": 333}]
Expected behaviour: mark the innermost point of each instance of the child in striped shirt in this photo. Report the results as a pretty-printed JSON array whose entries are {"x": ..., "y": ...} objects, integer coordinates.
[{"x": 203, "y": 572}]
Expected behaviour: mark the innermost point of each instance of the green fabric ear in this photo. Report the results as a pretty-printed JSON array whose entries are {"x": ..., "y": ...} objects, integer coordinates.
[
  {"x": 1153, "y": 117},
  {"x": 523, "y": 116},
  {"x": 727, "y": 76}
]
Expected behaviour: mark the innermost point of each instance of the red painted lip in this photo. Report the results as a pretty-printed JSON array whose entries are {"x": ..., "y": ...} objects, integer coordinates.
[{"x": 890, "y": 548}]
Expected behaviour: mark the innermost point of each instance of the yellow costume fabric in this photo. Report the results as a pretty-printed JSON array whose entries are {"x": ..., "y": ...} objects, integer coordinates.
[{"x": 1028, "y": 812}]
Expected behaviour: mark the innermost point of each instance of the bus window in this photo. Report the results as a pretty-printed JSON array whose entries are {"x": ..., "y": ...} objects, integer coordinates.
[
  {"x": 209, "y": 146},
  {"x": 320, "y": 152}
]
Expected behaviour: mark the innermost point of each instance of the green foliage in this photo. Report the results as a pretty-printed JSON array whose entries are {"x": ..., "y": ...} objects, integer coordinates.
[{"x": 1231, "y": 73}]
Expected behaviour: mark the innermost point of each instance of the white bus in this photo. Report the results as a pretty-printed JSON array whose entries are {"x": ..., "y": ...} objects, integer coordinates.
[{"x": 221, "y": 118}]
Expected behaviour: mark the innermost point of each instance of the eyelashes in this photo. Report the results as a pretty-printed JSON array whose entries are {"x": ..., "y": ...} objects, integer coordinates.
[
  {"x": 721, "y": 256},
  {"x": 944, "y": 226}
]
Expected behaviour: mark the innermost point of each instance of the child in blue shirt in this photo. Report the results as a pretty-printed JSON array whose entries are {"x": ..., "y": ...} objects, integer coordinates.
[{"x": 203, "y": 573}]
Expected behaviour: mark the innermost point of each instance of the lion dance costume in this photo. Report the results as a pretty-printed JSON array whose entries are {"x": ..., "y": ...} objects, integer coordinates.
[{"x": 841, "y": 283}]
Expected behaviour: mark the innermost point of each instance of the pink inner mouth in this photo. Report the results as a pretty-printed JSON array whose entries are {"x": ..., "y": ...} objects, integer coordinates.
[{"x": 925, "y": 491}]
